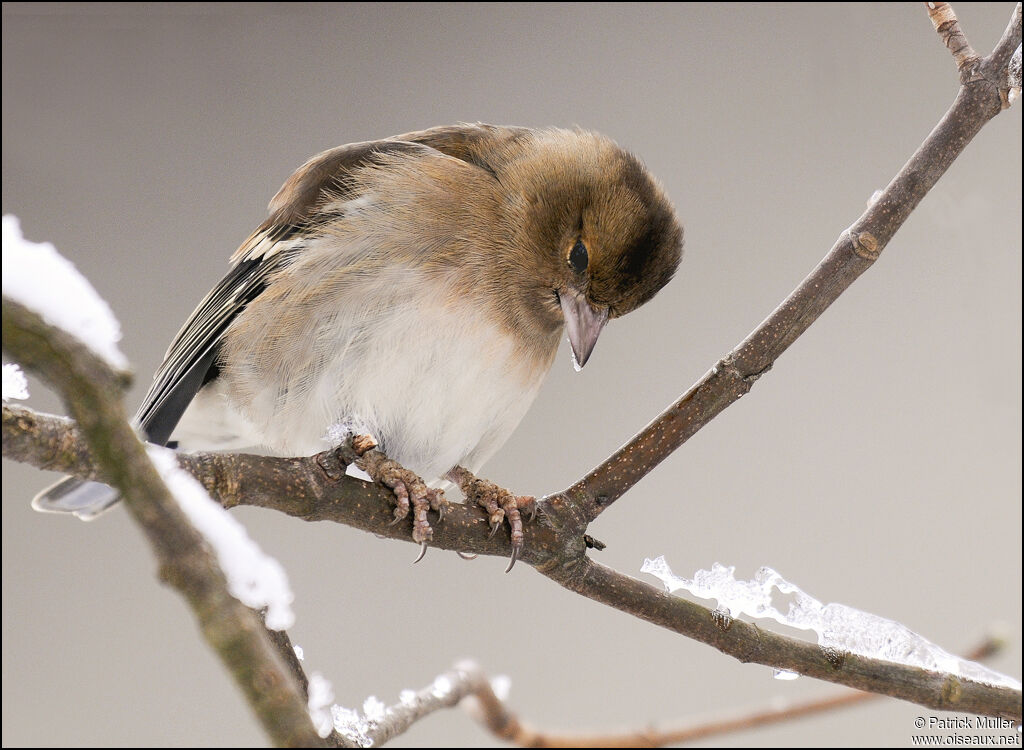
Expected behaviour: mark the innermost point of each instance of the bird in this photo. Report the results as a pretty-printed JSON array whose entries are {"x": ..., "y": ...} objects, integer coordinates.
[{"x": 413, "y": 289}]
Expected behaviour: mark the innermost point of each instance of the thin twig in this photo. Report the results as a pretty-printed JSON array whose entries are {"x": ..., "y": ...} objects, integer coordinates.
[
  {"x": 1003, "y": 65},
  {"x": 494, "y": 714},
  {"x": 446, "y": 691},
  {"x": 996, "y": 63},
  {"x": 945, "y": 22},
  {"x": 854, "y": 252}
]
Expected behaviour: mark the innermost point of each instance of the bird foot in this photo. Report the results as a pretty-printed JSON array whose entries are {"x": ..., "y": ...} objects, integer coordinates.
[
  {"x": 410, "y": 492},
  {"x": 500, "y": 504}
]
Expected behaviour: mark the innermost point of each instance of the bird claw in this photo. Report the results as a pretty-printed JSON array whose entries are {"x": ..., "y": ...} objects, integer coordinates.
[
  {"x": 494, "y": 529},
  {"x": 516, "y": 549},
  {"x": 410, "y": 494},
  {"x": 501, "y": 506}
]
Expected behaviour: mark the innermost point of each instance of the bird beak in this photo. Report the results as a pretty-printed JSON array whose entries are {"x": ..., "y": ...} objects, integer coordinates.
[{"x": 583, "y": 323}]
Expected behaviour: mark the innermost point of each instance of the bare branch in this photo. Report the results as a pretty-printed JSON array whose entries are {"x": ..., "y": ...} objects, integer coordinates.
[
  {"x": 994, "y": 65},
  {"x": 493, "y": 713},
  {"x": 945, "y": 22},
  {"x": 1003, "y": 65},
  {"x": 46, "y": 441},
  {"x": 313, "y": 488},
  {"x": 853, "y": 253}
]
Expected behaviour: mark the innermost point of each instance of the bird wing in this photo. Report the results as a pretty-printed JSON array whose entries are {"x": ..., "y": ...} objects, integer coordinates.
[{"x": 191, "y": 360}]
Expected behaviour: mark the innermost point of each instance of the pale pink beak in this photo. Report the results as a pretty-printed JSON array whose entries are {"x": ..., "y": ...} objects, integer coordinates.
[{"x": 583, "y": 323}]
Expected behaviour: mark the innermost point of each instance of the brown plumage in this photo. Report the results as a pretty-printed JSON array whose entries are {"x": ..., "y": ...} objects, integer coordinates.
[{"x": 415, "y": 288}]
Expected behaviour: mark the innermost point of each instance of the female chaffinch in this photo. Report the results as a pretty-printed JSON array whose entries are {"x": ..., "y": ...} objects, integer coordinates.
[{"x": 415, "y": 288}]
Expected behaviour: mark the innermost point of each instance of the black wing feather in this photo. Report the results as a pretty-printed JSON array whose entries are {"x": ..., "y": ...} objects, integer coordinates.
[{"x": 193, "y": 353}]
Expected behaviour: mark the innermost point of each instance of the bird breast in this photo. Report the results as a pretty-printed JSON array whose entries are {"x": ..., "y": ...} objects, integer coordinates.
[{"x": 434, "y": 380}]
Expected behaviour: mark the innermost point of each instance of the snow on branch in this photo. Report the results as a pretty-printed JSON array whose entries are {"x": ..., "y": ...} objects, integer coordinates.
[
  {"x": 838, "y": 626},
  {"x": 46, "y": 282}
]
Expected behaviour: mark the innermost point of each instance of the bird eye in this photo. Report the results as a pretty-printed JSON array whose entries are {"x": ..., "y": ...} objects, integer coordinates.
[{"x": 578, "y": 257}]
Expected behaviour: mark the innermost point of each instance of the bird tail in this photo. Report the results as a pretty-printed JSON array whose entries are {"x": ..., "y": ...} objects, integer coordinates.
[{"x": 72, "y": 495}]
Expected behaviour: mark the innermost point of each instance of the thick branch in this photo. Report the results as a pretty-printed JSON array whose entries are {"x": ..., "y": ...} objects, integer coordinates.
[
  {"x": 92, "y": 394},
  {"x": 46, "y": 441},
  {"x": 301, "y": 488},
  {"x": 313, "y": 489},
  {"x": 857, "y": 248}
]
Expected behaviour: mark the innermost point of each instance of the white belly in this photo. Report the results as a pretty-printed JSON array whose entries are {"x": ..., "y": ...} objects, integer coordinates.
[{"x": 436, "y": 383}]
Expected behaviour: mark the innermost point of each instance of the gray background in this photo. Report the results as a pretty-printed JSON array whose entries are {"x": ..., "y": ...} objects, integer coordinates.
[{"x": 877, "y": 465}]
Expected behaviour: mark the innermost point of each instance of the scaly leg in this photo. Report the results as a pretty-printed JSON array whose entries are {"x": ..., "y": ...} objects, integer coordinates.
[
  {"x": 409, "y": 490},
  {"x": 500, "y": 504}
]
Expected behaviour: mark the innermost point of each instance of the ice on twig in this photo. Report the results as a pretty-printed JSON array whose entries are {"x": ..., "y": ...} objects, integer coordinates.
[
  {"x": 442, "y": 686},
  {"x": 354, "y": 471},
  {"x": 351, "y": 725},
  {"x": 321, "y": 696},
  {"x": 341, "y": 431},
  {"x": 38, "y": 277},
  {"x": 357, "y": 727},
  {"x": 14, "y": 383},
  {"x": 501, "y": 686},
  {"x": 374, "y": 709},
  {"x": 254, "y": 578},
  {"x": 352, "y": 425},
  {"x": 837, "y": 625},
  {"x": 1013, "y": 77}
]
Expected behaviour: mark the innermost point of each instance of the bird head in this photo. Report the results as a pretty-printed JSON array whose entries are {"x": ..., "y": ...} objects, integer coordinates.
[{"x": 591, "y": 234}]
